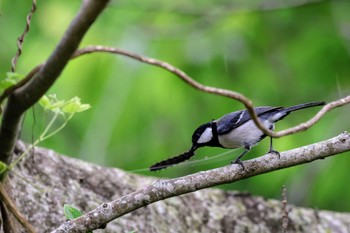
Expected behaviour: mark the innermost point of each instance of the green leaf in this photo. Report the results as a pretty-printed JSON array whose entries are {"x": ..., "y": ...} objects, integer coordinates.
[
  {"x": 6, "y": 83},
  {"x": 13, "y": 76},
  {"x": 50, "y": 102},
  {"x": 3, "y": 167},
  {"x": 71, "y": 106},
  {"x": 74, "y": 105},
  {"x": 70, "y": 212},
  {"x": 45, "y": 102},
  {"x": 11, "y": 79}
]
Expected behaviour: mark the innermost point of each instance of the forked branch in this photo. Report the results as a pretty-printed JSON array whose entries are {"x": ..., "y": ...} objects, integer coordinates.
[
  {"x": 218, "y": 91},
  {"x": 30, "y": 92},
  {"x": 214, "y": 90},
  {"x": 27, "y": 85}
]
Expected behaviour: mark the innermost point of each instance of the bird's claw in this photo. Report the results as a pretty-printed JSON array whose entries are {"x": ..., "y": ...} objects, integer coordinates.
[
  {"x": 272, "y": 151},
  {"x": 239, "y": 162}
]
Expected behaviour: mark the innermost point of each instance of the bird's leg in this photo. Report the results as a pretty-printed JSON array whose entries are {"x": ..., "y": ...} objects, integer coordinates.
[
  {"x": 238, "y": 159},
  {"x": 272, "y": 151}
]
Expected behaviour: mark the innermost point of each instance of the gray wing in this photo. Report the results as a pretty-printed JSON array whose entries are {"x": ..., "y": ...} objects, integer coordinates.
[{"x": 233, "y": 120}]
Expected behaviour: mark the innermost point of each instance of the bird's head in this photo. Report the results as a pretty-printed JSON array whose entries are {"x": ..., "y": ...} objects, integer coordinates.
[{"x": 205, "y": 135}]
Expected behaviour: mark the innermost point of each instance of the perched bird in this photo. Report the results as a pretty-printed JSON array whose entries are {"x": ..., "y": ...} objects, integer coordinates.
[{"x": 235, "y": 130}]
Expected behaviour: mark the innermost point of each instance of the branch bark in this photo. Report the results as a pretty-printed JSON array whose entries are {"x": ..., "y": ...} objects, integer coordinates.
[
  {"x": 27, "y": 95},
  {"x": 163, "y": 189}
]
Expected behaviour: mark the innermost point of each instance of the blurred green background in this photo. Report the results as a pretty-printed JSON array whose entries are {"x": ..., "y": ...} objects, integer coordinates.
[{"x": 274, "y": 53}]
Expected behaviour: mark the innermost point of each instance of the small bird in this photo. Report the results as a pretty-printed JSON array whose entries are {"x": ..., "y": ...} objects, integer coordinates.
[{"x": 235, "y": 130}]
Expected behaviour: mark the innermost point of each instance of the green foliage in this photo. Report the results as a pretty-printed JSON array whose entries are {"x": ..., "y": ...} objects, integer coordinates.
[
  {"x": 65, "y": 108},
  {"x": 74, "y": 105},
  {"x": 71, "y": 212},
  {"x": 3, "y": 167},
  {"x": 71, "y": 106},
  {"x": 10, "y": 79}
]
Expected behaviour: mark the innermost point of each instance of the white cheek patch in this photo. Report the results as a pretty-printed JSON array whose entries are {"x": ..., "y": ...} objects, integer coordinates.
[{"x": 206, "y": 136}]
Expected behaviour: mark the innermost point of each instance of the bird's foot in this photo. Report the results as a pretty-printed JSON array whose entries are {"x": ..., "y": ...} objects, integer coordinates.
[
  {"x": 238, "y": 161},
  {"x": 272, "y": 151}
]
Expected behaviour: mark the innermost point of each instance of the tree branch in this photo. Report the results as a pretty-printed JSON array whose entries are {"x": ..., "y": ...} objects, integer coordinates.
[
  {"x": 163, "y": 189},
  {"x": 183, "y": 76},
  {"x": 28, "y": 94},
  {"x": 218, "y": 91}
]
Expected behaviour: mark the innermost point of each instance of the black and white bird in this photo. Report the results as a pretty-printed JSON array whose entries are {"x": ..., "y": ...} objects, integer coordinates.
[{"x": 235, "y": 130}]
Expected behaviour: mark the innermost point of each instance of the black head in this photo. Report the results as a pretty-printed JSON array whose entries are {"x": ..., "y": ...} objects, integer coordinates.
[{"x": 206, "y": 135}]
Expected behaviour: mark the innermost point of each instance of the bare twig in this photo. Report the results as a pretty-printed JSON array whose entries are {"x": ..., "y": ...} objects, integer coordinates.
[
  {"x": 304, "y": 126},
  {"x": 20, "y": 39},
  {"x": 223, "y": 92},
  {"x": 12, "y": 208},
  {"x": 163, "y": 189},
  {"x": 183, "y": 76}
]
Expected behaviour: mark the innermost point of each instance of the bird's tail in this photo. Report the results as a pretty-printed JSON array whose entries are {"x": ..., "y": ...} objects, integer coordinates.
[
  {"x": 174, "y": 160},
  {"x": 302, "y": 106}
]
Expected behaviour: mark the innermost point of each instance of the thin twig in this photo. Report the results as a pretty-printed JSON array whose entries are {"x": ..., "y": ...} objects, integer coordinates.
[
  {"x": 223, "y": 92},
  {"x": 304, "y": 126},
  {"x": 183, "y": 76},
  {"x": 13, "y": 209},
  {"x": 20, "y": 39}
]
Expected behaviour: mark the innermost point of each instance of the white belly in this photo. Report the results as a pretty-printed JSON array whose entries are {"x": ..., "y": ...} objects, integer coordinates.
[{"x": 245, "y": 135}]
